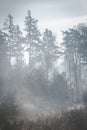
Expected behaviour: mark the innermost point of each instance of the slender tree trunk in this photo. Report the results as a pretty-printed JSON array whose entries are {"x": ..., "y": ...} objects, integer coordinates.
[
  {"x": 75, "y": 71},
  {"x": 70, "y": 80}
]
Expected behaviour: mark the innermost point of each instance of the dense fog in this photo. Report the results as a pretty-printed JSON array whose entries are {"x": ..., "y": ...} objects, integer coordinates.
[{"x": 38, "y": 74}]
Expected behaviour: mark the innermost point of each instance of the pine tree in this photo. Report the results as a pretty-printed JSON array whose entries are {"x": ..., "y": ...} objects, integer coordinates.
[
  {"x": 14, "y": 39},
  {"x": 32, "y": 38},
  {"x": 50, "y": 50},
  {"x": 71, "y": 43},
  {"x": 8, "y": 29},
  {"x": 18, "y": 48}
]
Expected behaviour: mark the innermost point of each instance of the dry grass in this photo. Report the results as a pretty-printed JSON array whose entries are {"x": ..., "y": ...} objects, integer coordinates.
[{"x": 71, "y": 120}]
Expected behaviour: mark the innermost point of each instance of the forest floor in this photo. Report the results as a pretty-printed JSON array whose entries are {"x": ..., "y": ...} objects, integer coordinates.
[{"x": 75, "y": 119}]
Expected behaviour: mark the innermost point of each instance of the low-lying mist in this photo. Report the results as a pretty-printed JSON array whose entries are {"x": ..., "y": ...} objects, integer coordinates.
[{"x": 33, "y": 94}]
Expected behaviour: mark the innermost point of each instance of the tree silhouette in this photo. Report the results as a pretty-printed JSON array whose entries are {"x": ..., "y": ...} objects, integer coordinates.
[{"x": 32, "y": 38}]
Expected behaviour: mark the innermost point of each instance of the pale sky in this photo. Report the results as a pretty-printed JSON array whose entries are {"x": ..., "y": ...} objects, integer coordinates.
[{"x": 54, "y": 14}]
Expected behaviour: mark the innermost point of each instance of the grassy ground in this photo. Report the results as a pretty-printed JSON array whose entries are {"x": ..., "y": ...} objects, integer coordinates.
[{"x": 70, "y": 120}]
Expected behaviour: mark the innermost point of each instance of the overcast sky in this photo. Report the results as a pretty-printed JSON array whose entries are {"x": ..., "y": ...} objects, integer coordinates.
[{"x": 51, "y": 13}]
